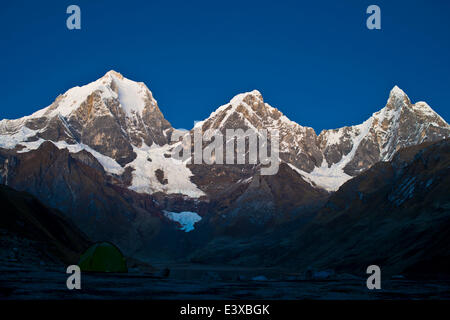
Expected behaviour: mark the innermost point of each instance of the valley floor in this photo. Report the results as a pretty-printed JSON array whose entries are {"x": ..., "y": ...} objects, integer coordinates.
[{"x": 26, "y": 283}]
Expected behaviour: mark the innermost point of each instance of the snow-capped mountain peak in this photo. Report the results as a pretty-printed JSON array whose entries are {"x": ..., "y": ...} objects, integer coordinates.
[
  {"x": 119, "y": 122},
  {"x": 245, "y": 106},
  {"x": 133, "y": 97},
  {"x": 113, "y": 73},
  {"x": 110, "y": 115},
  {"x": 348, "y": 151},
  {"x": 333, "y": 157},
  {"x": 396, "y": 92},
  {"x": 397, "y": 99},
  {"x": 248, "y": 110}
]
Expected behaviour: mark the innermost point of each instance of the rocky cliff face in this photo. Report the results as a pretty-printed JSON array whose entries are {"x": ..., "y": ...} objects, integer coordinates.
[{"x": 298, "y": 144}]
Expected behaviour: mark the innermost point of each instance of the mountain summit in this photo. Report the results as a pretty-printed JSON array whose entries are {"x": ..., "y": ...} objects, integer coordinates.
[
  {"x": 109, "y": 115},
  {"x": 336, "y": 155},
  {"x": 119, "y": 122},
  {"x": 101, "y": 153},
  {"x": 349, "y": 151},
  {"x": 298, "y": 144}
]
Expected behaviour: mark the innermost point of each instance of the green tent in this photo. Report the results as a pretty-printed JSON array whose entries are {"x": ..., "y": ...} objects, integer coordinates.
[{"x": 103, "y": 257}]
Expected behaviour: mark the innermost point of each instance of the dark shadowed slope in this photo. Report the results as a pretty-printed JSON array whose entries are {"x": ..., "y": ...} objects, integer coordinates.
[
  {"x": 31, "y": 233},
  {"x": 396, "y": 215}
]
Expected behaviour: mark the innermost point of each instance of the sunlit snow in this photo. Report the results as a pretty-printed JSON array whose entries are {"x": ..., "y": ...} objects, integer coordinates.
[{"x": 150, "y": 159}]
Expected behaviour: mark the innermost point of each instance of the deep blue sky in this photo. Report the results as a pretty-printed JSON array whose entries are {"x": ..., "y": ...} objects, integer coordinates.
[{"x": 314, "y": 60}]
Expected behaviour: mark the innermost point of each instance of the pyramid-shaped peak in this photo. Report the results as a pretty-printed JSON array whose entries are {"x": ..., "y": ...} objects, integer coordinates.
[
  {"x": 396, "y": 91},
  {"x": 398, "y": 98},
  {"x": 113, "y": 73},
  {"x": 256, "y": 93},
  {"x": 114, "y": 76},
  {"x": 132, "y": 96},
  {"x": 246, "y": 97}
]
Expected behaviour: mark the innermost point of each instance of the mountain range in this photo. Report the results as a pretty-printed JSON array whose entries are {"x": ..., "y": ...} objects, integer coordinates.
[{"x": 101, "y": 154}]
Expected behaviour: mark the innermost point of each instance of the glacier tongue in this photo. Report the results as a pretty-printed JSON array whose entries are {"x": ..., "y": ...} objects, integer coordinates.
[{"x": 186, "y": 219}]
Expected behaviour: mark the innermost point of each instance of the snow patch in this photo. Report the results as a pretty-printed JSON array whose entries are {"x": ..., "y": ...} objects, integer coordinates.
[
  {"x": 109, "y": 164},
  {"x": 150, "y": 159},
  {"x": 131, "y": 96},
  {"x": 331, "y": 178},
  {"x": 11, "y": 140}
]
